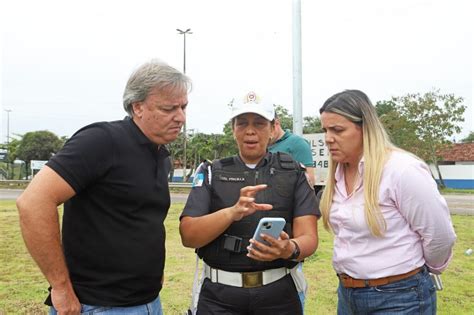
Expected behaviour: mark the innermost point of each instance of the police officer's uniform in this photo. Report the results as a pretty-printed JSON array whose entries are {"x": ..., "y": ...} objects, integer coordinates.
[{"x": 235, "y": 282}]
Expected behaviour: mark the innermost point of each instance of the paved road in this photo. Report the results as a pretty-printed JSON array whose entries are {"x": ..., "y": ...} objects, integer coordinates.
[
  {"x": 458, "y": 204},
  {"x": 6, "y": 194}
]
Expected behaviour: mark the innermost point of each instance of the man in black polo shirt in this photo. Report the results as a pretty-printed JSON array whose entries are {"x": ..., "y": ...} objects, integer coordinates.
[{"x": 112, "y": 179}]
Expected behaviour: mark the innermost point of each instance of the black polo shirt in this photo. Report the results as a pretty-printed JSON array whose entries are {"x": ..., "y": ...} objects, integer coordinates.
[{"x": 113, "y": 233}]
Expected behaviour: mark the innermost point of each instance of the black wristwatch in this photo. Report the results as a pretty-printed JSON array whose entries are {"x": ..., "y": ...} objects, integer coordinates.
[{"x": 296, "y": 252}]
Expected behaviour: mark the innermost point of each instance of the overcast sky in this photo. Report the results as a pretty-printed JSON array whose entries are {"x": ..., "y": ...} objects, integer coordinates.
[{"x": 64, "y": 64}]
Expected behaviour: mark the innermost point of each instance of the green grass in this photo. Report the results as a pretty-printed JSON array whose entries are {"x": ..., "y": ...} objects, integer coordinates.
[
  {"x": 457, "y": 191},
  {"x": 23, "y": 288}
]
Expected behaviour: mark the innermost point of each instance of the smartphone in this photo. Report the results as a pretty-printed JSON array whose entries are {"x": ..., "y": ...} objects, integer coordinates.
[{"x": 270, "y": 226}]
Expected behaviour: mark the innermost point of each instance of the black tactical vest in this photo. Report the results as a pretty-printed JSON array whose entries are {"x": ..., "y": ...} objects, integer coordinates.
[{"x": 280, "y": 172}]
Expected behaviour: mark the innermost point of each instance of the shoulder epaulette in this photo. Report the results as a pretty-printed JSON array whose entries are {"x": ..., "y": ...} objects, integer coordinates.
[
  {"x": 227, "y": 161},
  {"x": 285, "y": 160}
]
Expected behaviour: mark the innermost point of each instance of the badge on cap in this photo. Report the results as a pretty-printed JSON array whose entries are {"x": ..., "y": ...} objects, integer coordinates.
[{"x": 251, "y": 97}]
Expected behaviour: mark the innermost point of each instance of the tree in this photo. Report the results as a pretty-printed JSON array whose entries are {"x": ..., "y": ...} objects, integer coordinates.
[
  {"x": 469, "y": 138},
  {"x": 434, "y": 118},
  {"x": 12, "y": 156},
  {"x": 176, "y": 150},
  {"x": 38, "y": 145},
  {"x": 401, "y": 132},
  {"x": 201, "y": 146},
  {"x": 312, "y": 125},
  {"x": 228, "y": 146},
  {"x": 7, "y": 161},
  {"x": 213, "y": 146},
  {"x": 286, "y": 119},
  {"x": 385, "y": 107}
]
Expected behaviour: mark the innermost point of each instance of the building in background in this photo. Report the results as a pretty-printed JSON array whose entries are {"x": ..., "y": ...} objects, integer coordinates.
[{"x": 457, "y": 166}]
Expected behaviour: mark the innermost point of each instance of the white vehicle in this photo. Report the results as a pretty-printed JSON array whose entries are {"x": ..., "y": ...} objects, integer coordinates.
[{"x": 320, "y": 157}]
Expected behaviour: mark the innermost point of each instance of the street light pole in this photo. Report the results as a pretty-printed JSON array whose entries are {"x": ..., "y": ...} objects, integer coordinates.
[
  {"x": 8, "y": 141},
  {"x": 297, "y": 70},
  {"x": 181, "y": 32}
]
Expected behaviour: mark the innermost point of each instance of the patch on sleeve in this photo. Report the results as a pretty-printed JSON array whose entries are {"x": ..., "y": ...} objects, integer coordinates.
[{"x": 198, "y": 180}]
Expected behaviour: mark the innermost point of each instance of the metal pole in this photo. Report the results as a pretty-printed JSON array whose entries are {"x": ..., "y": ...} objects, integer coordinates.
[
  {"x": 188, "y": 31},
  {"x": 184, "y": 53},
  {"x": 297, "y": 80},
  {"x": 8, "y": 142},
  {"x": 185, "y": 136}
]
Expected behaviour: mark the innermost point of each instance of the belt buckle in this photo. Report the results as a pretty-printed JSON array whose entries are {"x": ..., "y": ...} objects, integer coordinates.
[
  {"x": 252, "y": 279},
  {"x": 233, "y": 243}
]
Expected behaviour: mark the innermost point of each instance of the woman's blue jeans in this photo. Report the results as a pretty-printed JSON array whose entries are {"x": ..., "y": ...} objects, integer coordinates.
[
  {"x": 152, "y": 308},
  {"x": 413, "y": 295}
]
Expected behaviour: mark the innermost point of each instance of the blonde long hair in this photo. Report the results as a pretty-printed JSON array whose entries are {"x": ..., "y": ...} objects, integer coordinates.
[{"x": 357, "y": 107}]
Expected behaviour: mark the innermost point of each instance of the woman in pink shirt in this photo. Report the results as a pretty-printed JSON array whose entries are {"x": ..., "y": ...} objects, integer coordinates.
[{"x": 391, "y": 225}]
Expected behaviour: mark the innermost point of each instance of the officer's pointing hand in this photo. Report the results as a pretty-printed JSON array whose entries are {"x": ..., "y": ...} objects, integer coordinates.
[{"x": 246, "y": 204}]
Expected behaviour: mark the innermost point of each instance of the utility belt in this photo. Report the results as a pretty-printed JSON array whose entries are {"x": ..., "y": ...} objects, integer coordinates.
[
  {"x": 349, "y": 282},
  {"x": 251, "y": 279}
]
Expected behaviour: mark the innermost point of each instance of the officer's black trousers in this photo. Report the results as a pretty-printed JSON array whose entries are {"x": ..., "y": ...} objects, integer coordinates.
[{"x": 279, "y": 297}]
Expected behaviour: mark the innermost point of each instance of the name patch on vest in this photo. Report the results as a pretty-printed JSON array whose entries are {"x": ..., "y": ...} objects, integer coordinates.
[{"x": 231, "y": 179}]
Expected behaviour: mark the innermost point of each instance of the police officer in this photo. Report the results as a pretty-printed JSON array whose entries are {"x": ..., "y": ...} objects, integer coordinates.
[{"x": 229, "y": 197}]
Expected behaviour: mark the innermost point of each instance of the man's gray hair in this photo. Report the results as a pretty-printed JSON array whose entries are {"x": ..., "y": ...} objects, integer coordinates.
[{"x": 154, "y": 74}]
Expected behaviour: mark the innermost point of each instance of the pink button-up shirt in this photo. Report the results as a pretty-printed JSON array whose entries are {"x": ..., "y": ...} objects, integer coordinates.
[{"x": 419, "y": 228}]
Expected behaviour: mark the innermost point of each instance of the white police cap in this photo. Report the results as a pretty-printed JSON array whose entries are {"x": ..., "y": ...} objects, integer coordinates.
[{"x": 253, "y": 103}]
